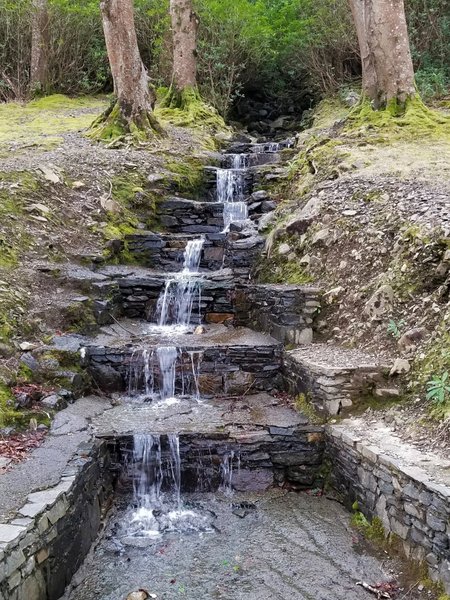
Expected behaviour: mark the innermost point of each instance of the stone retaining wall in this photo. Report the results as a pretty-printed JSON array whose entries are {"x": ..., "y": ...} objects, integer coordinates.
[
  {"x": 286, "y": 312},
  {"x": 232, "y": 370},
  {"x": 189, "y": 216},
  {"x": 42, "y": 548},
  {"x": 333, "y": 379},
  {"x": 165, "y": 253},
  {"x": 259, "y": 458},
  {"x": 411, "y": 506},
  {"x": 138, "y": 299}
]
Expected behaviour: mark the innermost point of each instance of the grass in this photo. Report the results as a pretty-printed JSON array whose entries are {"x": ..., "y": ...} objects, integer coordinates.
[{"x": 41, "y": 122}]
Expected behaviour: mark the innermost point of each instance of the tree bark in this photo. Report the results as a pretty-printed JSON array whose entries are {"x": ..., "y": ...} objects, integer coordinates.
[
  {"x": 387, "y": 68},
  {"x": 39, "y": 47},
  {"x": 135, "y": 97},
  {"x": 184, "y": 32}
]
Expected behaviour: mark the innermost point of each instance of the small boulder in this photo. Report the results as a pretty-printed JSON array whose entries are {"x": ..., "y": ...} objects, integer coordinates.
[
  {"x": 284, "y": 249},
  {"x": 380, "y": 302},
  {"x": 401, "y": 365},
  {"x": 321, "y": 237},
  {"x": 411, "y": 338}
]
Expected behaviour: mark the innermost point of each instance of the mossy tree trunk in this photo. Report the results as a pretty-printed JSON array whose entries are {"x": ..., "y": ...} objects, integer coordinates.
[
  {"x": 387, "y": 68},
  {"x": 132, "y": 111},
  {"x": 39, "y": 47},
  {"x": 184, "y": 21}
]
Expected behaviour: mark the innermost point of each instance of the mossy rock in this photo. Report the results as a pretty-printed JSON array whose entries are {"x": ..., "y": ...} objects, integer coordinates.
[
  {"x": 79, "y": 317},
  {"x": 8, "y": 414}
]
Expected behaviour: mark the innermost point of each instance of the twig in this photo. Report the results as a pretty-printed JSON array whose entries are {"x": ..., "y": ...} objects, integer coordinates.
[
  {"x": 134, "y": 335},
  {"x": 409, "y": 591},
  {"x": 369, "y": 588}
]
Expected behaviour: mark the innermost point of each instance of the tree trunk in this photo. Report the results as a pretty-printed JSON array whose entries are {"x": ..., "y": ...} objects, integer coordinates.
[
  {"x": 183, "y": 90},
  {"x": 132, "y": 112},
  {"x": 184, "y": 30},
  {"x": 39, "y": 47},
  {"x": 387, "y": 69}
]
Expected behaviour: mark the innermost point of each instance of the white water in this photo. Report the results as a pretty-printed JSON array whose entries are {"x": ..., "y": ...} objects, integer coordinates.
[
  {"x": 157, "y": 510},
  {"x": 167, "y": 358},
  {"x": 174, "y": 306},
  {"x": 230, "y": 191},
  {"x": 162, "y": 372}
]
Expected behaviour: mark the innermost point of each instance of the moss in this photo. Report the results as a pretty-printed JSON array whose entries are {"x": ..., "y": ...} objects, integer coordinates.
[
  {"x": 412, "y": 119},
  {"x": 41, "y": 122},
  {"x": 280, "y": 269},
  {"x": 304, "y": 406},
  {"x": 7, "y": 412},
  {"x": 186, "y": 108},
  {"x": 321, "y": 159},
  {"x": 113, "y": 126},
  {"x": 187, "y": 175},
  {"x": 79, "y": 317}
]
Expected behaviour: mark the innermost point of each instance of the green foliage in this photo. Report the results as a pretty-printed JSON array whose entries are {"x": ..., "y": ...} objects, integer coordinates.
[
  {"x": 394, "y": 328},
  {"x": 372, "y": 530},
  {"x": 438, "y": 389},
  {"x": 292, "y": 50}
]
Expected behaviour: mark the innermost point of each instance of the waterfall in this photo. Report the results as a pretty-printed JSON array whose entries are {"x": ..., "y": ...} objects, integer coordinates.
[
  {"x": 158, "y": 372},
  {"x": 174, "y": 306},
  {"x": 230, "y": 191},
  {"x": 226, "y": 469},
  {"x": 167, "y": 358},
  {"x": 156, "y": 473}
]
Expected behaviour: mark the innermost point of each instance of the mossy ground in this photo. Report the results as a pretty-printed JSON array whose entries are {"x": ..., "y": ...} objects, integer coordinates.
[
  {"x": 188, "y": 109},
  {"x": 413, "y": 120},
  {"x": 40, "y": 123}
]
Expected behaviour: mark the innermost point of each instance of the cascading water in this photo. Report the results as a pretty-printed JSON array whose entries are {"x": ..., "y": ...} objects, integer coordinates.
[
  {"x": 162, "y": 372},
  {"x": 230, "y": 191},
  {"x": 156, "y": 477},
  {"x": 167, "y": 358},
  {"x": 175, "y": 303}
]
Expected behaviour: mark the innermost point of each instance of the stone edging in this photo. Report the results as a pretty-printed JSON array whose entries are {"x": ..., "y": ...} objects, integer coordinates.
[
  {"x": 45, "y": 544},
  {"x": 409, "y": 504}
]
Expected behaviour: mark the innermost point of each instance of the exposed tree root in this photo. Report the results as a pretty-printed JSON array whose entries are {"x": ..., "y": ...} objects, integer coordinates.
[
  {"x": 411, "y": 117},
  {"x": 117, "y": 123},
  {"x": 186, "y": 108}
]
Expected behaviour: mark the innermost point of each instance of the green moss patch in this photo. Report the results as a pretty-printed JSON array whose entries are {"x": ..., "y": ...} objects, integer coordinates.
[
  {"x": 188, "y": 109},
  {"x": 413, "y": 119},
  {"x": 41, "y": 122},
  {"x": 7, "y": 412}
]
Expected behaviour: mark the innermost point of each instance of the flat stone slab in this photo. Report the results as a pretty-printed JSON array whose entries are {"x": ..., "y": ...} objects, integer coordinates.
[
  {"x": 45, "y": 465},
  {"x": 332, "y": 359},
  {"x": 259, "y": 411},
  {"x": 128, "y": 331}
]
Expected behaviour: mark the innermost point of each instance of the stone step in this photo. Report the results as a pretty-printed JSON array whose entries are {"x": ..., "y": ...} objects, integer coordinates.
[
  {"x": 237, "y": 250},
  {"x": 252, "y": 159},
  {"x": 271, "y": 442},
  {"x": 229, "y": 360},
  {"x": 286, "y": 312},
  {"x": 164, "y": 251},
  {"x": 139, "y": 293},
  {"x": 335, "y": 379},
  {"x": 181, "y": 215}
]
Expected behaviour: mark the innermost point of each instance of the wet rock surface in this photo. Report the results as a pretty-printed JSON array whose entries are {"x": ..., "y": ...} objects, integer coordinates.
[{"x": 287, "y": 546}]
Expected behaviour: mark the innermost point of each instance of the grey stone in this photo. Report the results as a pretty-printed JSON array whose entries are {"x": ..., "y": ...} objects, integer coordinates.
[
  {"x": 8, "y": 533},
  {"x": 435, "y": 522}
]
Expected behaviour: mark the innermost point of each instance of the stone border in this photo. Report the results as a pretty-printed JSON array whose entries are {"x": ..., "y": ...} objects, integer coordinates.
[
  {"x": 42, "y": 548},
  {"x": 411, "y": 506}
]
